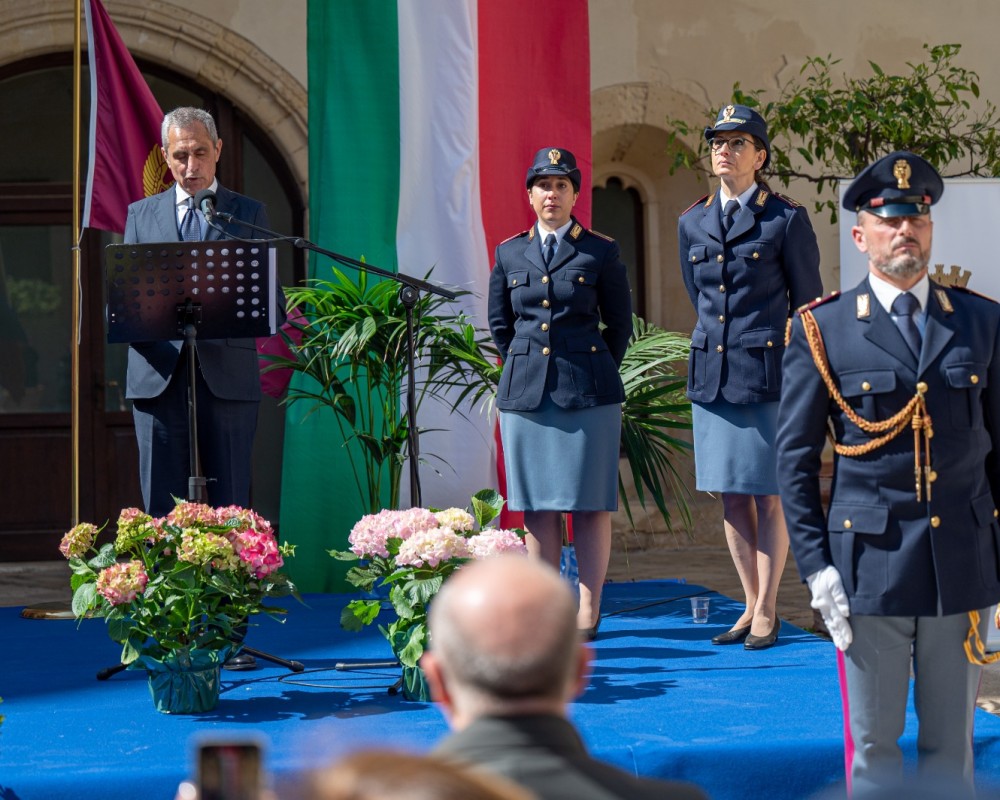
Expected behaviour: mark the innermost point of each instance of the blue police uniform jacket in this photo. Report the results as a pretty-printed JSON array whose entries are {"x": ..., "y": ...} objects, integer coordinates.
[
  {"x": 744, "y": 286},
  {"x": 544, "y": 321},
  {"x": 897, "y": 556}
]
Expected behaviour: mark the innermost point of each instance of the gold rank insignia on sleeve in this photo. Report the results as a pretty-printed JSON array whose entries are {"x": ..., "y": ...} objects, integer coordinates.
[{"x": 864, "y": 303}]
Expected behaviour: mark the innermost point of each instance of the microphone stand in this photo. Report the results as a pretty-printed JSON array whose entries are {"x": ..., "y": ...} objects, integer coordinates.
[{"x": 409, "y": 294}]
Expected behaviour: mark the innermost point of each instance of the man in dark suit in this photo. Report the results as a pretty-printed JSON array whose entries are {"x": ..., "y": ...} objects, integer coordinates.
[
  {"x": 907, "y": 563},
  {"x": 504, "y": 665},
  {"x": 228, "y": 379}
]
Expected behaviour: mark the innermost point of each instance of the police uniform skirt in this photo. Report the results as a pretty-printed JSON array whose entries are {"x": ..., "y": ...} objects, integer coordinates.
[
  {"x": 561, "y": 459},
  {"x": 734, "y": 447}
]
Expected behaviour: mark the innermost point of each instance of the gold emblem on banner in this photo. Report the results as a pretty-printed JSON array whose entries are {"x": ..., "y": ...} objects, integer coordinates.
[
  {"x": 155, "y": 175},
  {"x": 554, "y": 156},
  {"x": 864, "y": 306},
  {"x": 901, "y": 170},
  {"x": 956, "y": 276}
]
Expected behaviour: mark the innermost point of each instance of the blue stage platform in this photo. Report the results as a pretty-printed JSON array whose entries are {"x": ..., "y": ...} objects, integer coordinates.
[{"x": 662, "y": 702}]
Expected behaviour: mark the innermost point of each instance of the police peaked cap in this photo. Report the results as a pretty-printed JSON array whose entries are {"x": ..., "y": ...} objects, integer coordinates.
[
  {"x": 901, "y": 184},
  {"x": 742, "y": 118},
  {"x": 554, "y": 161}
]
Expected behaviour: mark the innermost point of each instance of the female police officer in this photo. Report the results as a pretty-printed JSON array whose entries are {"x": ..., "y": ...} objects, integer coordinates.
[
  {"x": 560, "y": 393},
  {"x": 748, "y": 258}
]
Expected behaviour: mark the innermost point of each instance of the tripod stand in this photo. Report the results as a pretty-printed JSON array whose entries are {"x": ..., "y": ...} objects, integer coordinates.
[{"x": 241, "y": 308}]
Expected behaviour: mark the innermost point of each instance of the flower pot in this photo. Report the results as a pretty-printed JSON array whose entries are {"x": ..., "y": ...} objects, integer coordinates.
[
  {"x": 415, "y": 685},
  {"x": 183, "y": 688}
]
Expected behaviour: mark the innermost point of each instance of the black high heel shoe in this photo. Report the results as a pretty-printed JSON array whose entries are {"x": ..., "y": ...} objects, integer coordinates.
[
  {"x": 735, "y": 636},
  {"x": 762, "y": 642},
  {"x": 590, "y": 634}
]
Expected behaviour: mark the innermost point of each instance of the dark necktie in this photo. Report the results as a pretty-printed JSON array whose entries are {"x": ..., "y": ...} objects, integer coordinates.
[
  {"x": 190, "y": 226},
  {"x": 729, "y": 214},
  {"x": 904, "y": 307},
  {"x": 549, "y": 248}
]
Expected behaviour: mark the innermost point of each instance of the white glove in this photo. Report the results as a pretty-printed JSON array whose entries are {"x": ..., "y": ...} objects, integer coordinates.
[{"x": 830, "y": 600}]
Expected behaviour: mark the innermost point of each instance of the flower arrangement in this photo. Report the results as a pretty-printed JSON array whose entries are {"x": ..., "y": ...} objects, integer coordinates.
[
  {"x": 180, "y": 587},
  {"x": 411, "y": 553}
]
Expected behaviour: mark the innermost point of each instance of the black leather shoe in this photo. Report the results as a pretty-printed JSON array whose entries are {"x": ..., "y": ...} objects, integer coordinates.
[
  {"x": 590, "y": 634},
  {"x": 762, "y": 642},
  {"x": 735, "y": 636}
]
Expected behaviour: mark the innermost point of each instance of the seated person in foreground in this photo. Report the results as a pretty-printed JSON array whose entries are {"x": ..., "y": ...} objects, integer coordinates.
[{"x": 503, "y": 666}]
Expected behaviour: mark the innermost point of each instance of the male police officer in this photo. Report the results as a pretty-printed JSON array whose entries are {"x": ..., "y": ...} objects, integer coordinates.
[{"x": 909, "y": 550}]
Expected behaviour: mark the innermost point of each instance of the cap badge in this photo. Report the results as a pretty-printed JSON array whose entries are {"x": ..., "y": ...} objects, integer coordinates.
[
  {"x": 554, "y": 156},
  {"x": 901, "y": 170},
  {"x": 727, "y": 113}
]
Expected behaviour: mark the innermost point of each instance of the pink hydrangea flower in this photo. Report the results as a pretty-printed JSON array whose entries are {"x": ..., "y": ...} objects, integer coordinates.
[
  {"x": 122, "y": 583},
  {"x": 494, "y": 541},
  {"x": 370, "y": 536},
  {"x": 78, "y": 540},
  {"x": 429, "y": 548},
  {"x": 133, "y": 528},
  {"x": 458, "y": 519},
  {"x": 201, "y": 547},
  {"x": 258, "y": 551}
]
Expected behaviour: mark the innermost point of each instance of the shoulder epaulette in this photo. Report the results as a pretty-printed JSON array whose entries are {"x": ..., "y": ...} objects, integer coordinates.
[
  {"x": 788, "y": 200},
  {"x": 697, "y": 202},
  {"x": 973, "y": 292},
  {"x": 516, "y": 236},
  {"x": 817, "y": 302},
  {"x": 602, "y": 235}
]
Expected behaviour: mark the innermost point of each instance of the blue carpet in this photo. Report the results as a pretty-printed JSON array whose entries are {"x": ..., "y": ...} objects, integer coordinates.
[{"x": 662, "y": 702}]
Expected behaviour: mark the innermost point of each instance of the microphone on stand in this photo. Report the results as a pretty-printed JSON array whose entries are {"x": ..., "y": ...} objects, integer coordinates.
[{"x": 204, "y": 201}]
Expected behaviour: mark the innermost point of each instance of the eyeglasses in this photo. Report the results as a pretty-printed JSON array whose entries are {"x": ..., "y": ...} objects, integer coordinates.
[{"x": 736, "y": 144}]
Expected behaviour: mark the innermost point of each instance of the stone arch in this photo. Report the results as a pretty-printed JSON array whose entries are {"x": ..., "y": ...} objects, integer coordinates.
[
  {"x": 630, "y": 140},
  {"x": 187, "y": 42}
]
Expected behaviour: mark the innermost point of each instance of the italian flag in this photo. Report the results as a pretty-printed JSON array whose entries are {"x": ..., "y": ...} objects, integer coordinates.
[{"x": 424, "y": 116}]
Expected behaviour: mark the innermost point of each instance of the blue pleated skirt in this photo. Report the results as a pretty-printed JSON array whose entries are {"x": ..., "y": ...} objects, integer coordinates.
[
  {"x": 560, "y": 459},
  {"x": 734, "y": 447}
]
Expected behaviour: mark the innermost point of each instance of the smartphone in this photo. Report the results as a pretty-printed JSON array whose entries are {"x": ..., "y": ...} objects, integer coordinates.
[{"x": 230, "y": 770}]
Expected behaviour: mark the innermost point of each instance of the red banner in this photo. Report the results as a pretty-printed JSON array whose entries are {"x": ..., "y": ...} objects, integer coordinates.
[{"x": 125, "y": 162}]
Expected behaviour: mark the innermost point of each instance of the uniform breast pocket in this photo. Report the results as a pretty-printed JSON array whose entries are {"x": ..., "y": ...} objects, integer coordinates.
[
  {"x": 697, "y": 359},
  {"x": 514, "y": 377},
  {"x": 755, "y": 252},
  {"x": 517, "y": 283},
  {"x": 576, "y": 288},
  {"x": 966, "y": 382},
  {"x": 697, "y": 254},
  {"x": 867, "y": 391},
  {"x": 591, "y": 366},
  {"x": 764, "y": 347}
]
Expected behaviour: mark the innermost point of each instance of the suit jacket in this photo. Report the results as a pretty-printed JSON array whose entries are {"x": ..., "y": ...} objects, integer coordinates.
[
  {"x": 544, "y": 321},
  {"x": 898, "y": 556},
  {"x": 545, "y": 754},
  {"x": 230, "y": 366},
  {"x": 744, "y": 286}
]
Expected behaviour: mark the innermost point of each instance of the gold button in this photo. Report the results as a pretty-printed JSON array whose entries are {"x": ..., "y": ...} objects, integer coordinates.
[
  {"x": 770, "y": 343},
  {"x": 718, "y": 348},
  {"x": 545, "y": 351},
  {"x": 756, "y": 255},
  {"x": 593, "y": 348},
  {"x": 921, "y": 387},
  {"x": 545, "y": 326},
  {"x": 722, "y": 318},
  {"x": 931, "y": 476},
  {"x": 995, "y": 513},
  {"x": 974, "y": 379},
  {"x": 719, "y": 258},
  {"x": 935, "y": 522},
  {"x": 580, "y": 279},
  {"x": 545, "y": 279},
  {"x": 545, "y": 303},
  {"x": 722, "y": 287},
  {"x": 514, "y": 282},
  {"x": 866, "y": 386},
  {"x": 694, "y": 258},
  {"x": 848, "y": 524}
]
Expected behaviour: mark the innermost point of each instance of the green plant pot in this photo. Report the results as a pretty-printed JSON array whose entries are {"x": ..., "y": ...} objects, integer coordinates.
[
  {"x": 415, "y": 685},
  {"x": 183, "y": 691}
]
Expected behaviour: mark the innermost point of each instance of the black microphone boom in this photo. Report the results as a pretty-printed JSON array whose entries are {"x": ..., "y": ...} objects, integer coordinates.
[{"x": 205, "y": 202}]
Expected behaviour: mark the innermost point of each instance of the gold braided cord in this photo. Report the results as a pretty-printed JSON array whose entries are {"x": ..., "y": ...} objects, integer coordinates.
[{"x": 975, "y": 650}]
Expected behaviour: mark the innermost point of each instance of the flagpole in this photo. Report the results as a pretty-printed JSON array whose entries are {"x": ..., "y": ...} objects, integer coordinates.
[{"x": 76, "y": 293}]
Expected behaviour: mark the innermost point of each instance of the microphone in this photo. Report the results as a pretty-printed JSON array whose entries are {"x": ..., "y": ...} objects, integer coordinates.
[{"x": 204, "y": 201}]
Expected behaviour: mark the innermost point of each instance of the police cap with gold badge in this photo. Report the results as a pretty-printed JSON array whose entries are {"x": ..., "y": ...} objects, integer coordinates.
[
  {"x": 741, "y": 118},
  {"x": 901, "y": 184},
  {"x": 554, "y": 161}
]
